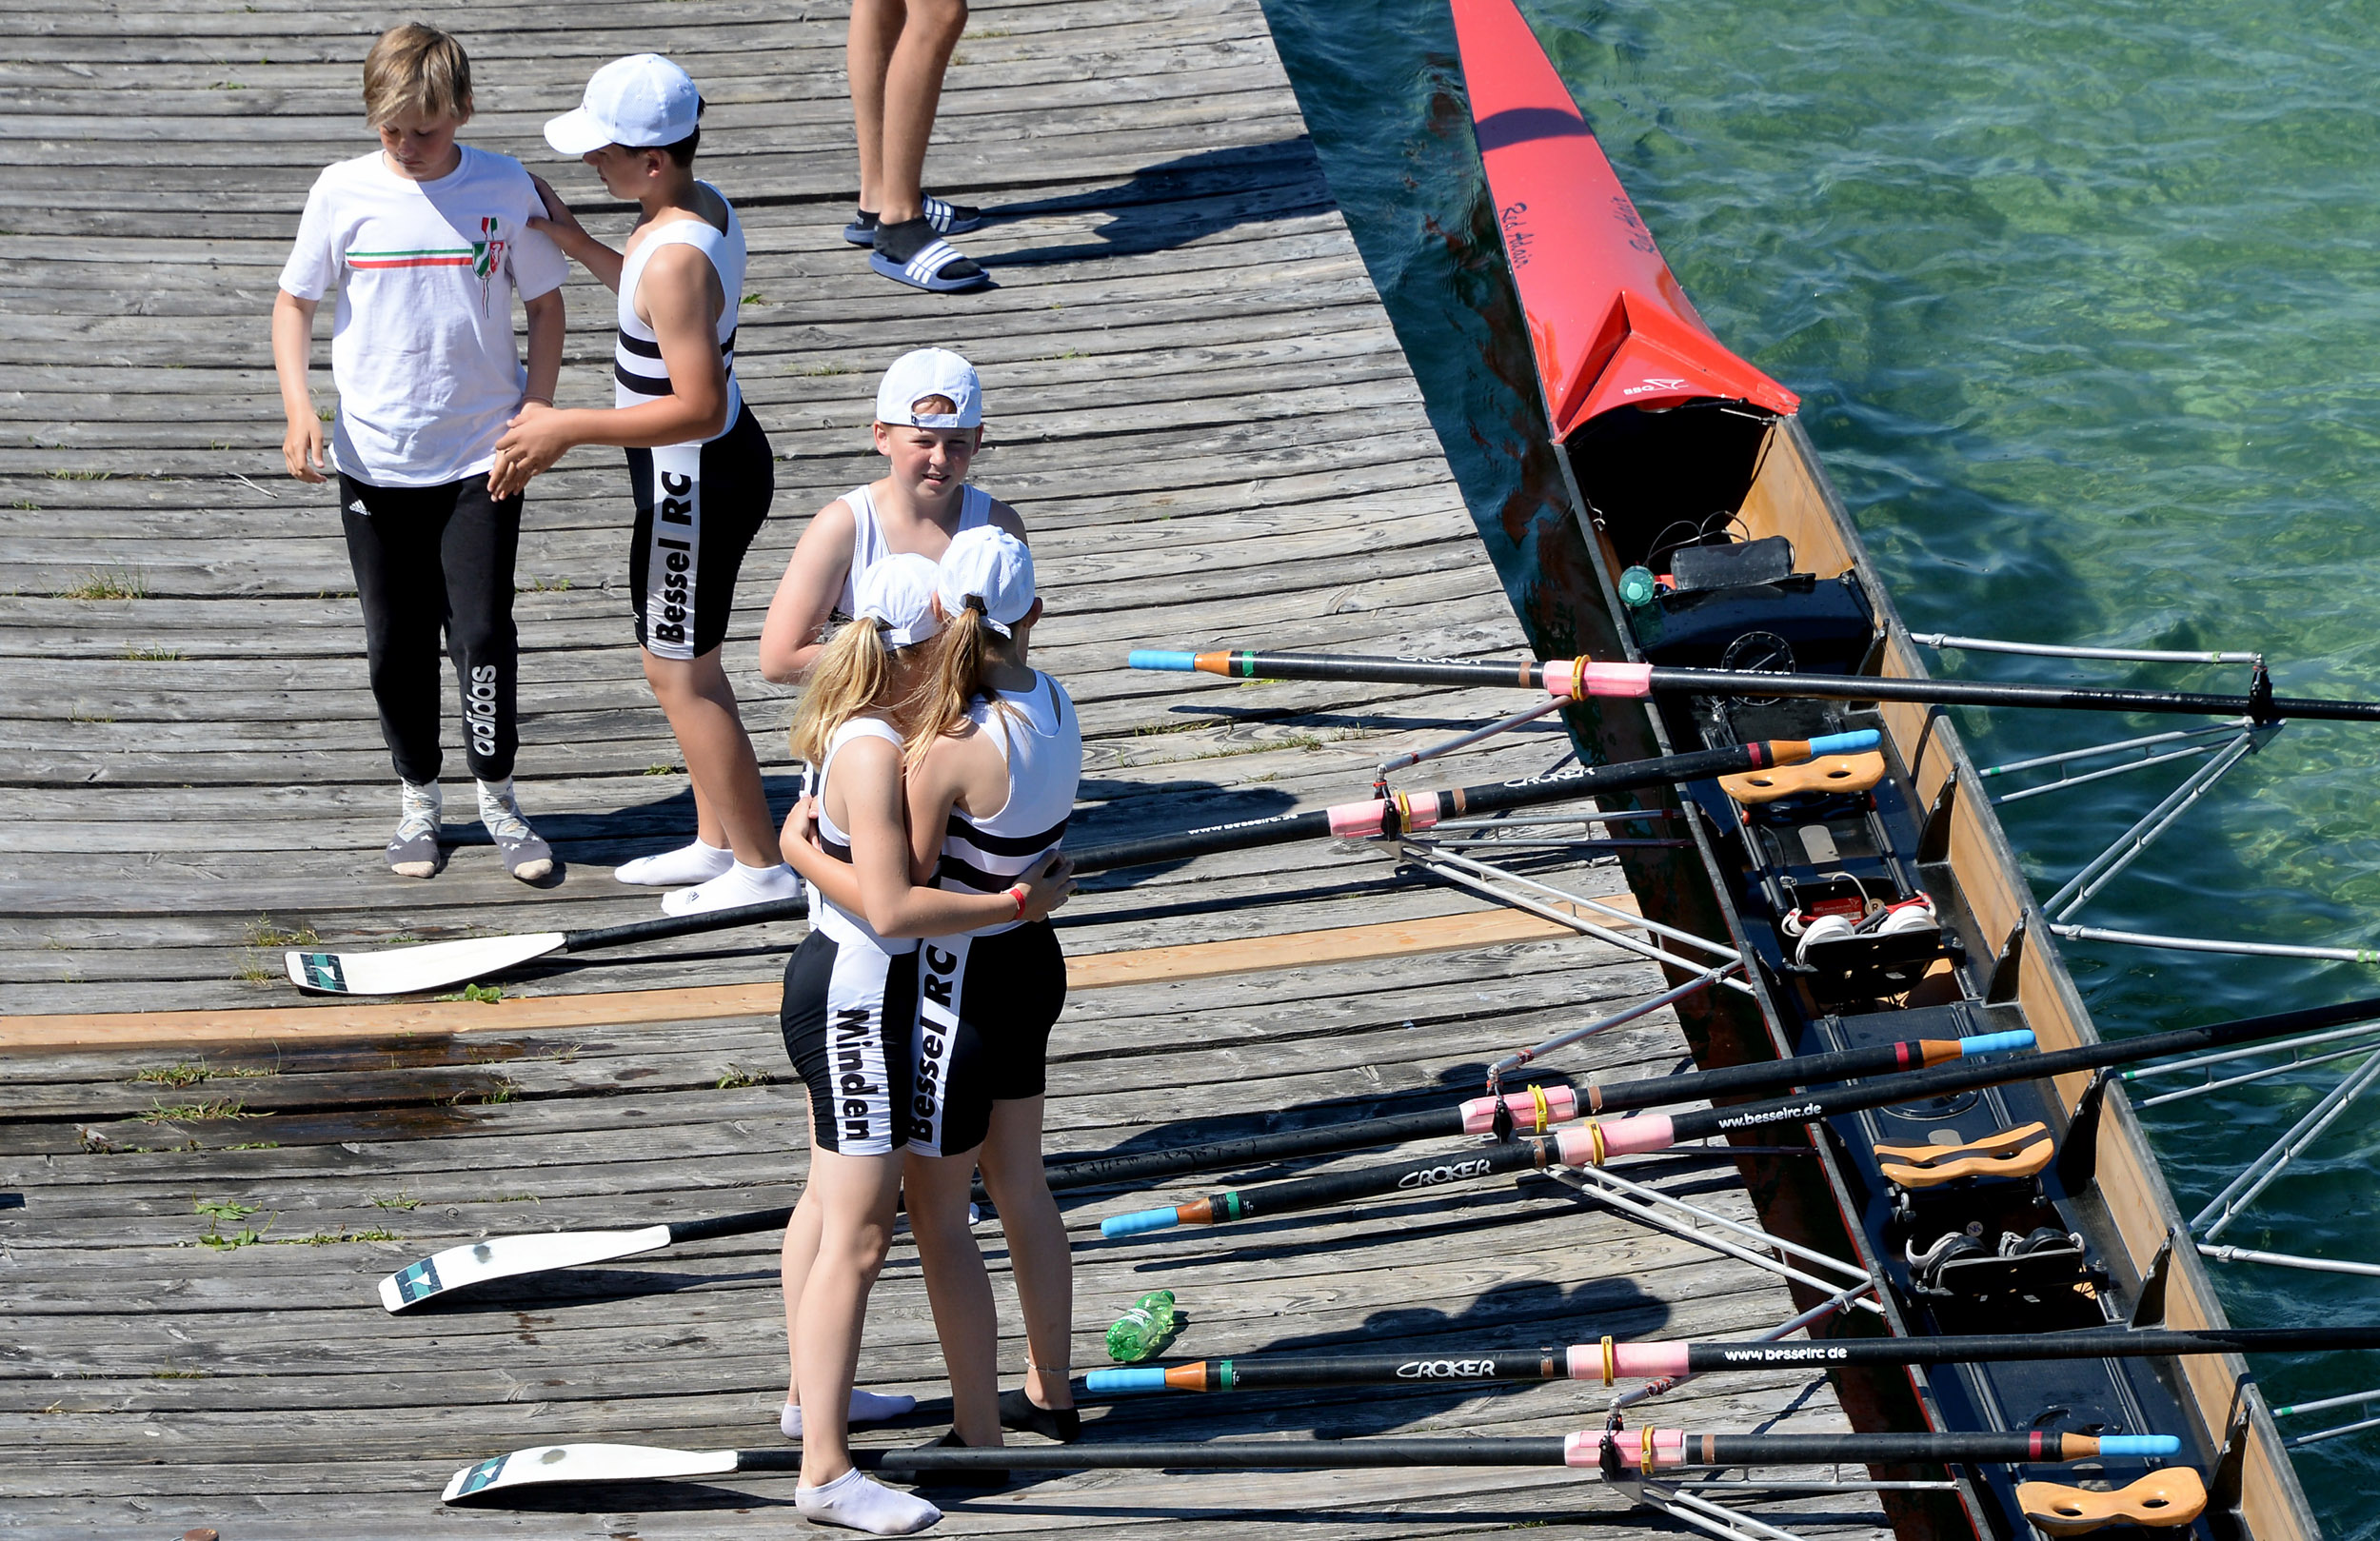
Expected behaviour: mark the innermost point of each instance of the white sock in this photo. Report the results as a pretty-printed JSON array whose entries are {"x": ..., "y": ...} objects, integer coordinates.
[
  {"x": 866, "y": 1407},
  {"x": 738, "y": 886},
  {"x": 854, "y": 1501},
  {"x": 693, "y": 863}
]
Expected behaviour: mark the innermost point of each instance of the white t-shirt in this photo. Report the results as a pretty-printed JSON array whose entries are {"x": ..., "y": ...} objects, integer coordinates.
[{"x": 421, "y": 342}]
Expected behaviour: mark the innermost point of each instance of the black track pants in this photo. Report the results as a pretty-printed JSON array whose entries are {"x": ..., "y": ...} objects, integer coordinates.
[{"x": 432, "y": 560}]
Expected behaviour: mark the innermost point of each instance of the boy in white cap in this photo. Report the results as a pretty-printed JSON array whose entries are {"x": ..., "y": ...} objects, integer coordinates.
[
  {"x": 701, "y": 468},
  {"x": 929, "y": 423},
  {"x": 426, "y": 241}
]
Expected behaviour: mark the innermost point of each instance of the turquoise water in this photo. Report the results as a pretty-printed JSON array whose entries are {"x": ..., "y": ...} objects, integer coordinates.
[{"x": 2083, "y": 301}]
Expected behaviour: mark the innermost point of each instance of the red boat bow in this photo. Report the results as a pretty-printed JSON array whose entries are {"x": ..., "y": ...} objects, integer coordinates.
[{"x": 1608, "y": 321}]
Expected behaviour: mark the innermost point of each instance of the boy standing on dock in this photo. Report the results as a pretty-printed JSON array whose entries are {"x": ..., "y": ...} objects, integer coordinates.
[
  {"x": 701, "y": 468},
  {"x": 426, "y": 241}
]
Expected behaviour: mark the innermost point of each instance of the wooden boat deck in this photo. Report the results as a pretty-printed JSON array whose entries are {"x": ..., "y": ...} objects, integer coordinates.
[{"x": 1199, "y": 405}]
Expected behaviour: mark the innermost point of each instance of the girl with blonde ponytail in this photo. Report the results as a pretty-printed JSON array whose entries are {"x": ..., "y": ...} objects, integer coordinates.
[
  {"x": 995, "y": 755},
  {"x": 850, "y": 1015},
  {"x": 850, "y": 1008}
]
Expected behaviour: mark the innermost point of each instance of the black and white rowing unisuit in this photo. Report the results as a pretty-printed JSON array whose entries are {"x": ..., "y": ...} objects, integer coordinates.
[
  {"x": 850, "y": 1004},
  {"x": 698, "y": 506},
  {"x": 986, "y": 1001}
]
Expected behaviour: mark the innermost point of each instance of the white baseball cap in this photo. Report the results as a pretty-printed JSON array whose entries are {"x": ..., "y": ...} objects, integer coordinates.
[
  {"x": 643, "y": 101},
  {"x": 930, "y": 371},
  {"x": 898, "y": 591},
  {"x": 992, "y": 567}
]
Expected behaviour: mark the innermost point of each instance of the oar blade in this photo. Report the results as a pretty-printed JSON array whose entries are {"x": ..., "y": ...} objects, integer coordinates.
[
  {"x": 500, "y": 1257},
  {"x": 401, "y": 971},
  {"x": 545, "y": 1464}
]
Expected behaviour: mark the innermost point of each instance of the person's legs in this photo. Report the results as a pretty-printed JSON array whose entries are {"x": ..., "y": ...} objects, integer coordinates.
[
  {"x": 1039, "y": 1255},
  {"x": 697, "y": 513},
  {"x": 937, "y": 1189},
  {"x": 854, "y": 1196},
  {"x": 700, "y": 702},
  {"x": 394, "y": 538},
  {"x": 482, "y": 538},
  {"x": 912, "y": 92},
  {"x": 476, "y": 552},
  {"x": 875, "y": 32}
]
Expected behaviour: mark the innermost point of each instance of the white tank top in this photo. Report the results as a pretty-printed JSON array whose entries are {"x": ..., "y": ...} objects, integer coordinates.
[
  {"x": 868, "y": 545},
  {"x": 1043, "y": 744},
  {"x": 825, "y": 914},
  {"x": 637, "y": 369}
]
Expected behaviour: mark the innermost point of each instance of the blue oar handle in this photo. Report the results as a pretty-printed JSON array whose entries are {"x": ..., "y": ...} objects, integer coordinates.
[
  {"x": 2139, "y": 1444},
  {"x": 1994, "y": 1043},
  {"x": 1137, "y": 1221},
  {"x": 1839, "y": 743},
  {"x": 1143, "y": 657},
  {"x": 1150, "y": 1379}
]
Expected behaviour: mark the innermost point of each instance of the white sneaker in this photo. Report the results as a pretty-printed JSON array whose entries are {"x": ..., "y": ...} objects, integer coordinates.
[
  {"x": 693, "y": 863},
  {"x": 735, "y": 888}
]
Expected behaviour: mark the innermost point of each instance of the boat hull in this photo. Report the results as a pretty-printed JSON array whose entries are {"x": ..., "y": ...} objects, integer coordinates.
[{"x": 1658, "y": 424}]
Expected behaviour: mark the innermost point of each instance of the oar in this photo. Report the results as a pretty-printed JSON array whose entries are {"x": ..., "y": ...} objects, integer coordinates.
[
  {"x": 1579, "y": 678},
  {"x": 433, "y": 966},
  {"x": 1590, "y": 1144},
  {"x": 1608, "y": 1362},
  {"x": 1406, "y": 812},
  {"x": 436, "y": 965},
  {"x": 499, "y": 1257},
  {"x": 1647, "y": 1450}
]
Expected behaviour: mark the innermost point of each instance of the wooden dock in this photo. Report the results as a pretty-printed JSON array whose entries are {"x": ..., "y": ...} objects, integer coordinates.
[{"x": 1201, "y": 411}]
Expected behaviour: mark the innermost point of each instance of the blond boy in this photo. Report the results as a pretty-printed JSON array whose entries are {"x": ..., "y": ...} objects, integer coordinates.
[{"x": 426, "y": 241}]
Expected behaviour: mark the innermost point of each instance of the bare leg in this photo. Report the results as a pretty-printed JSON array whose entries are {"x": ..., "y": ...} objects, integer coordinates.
[
  {"x": 729, "y": 802},
  {"x": 867, "y": 52},
  {"x": 855, "y": 1196},
  {"x": 800, "y": 1255},
  {"x": 912, "y": 92},
  {"x": 1038, "y": 1255},
  {"x": 956, "y": 1285}
]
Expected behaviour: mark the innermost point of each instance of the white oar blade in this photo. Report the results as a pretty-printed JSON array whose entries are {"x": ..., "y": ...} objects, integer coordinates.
[
  {"x": 501, "y": 1257},
  {"x": 403, "y": 970},
  {"x": 586, "y": 1463}
]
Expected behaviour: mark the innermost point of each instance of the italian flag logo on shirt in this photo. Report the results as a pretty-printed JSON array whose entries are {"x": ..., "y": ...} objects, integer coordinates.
[{"x": 482, "y": 257}]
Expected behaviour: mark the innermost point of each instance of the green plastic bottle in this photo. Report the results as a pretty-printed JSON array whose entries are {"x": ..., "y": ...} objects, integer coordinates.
[{"x": 1139, "y": 1331}]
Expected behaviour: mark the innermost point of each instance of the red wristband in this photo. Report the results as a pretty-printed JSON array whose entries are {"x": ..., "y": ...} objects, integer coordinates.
[{"x": 1017, "y": 893}]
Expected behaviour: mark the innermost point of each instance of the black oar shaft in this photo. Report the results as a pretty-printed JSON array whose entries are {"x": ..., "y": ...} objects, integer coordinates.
[
  {"x": 1222, "y": 1456},
  {"x": 1703, "y": 1359},
  {"x": 715, "y": 1226},
  {"x": 1982, "y": 693},
  {"x": 1091, "y": 1171},
  {"x": 685, "y": 925},
  {"x": 1592, "y": 1142},
  {"x": 1611, "y": 1361},
  {"x": 1414, "y": 1176},
  {"x": 1582, "y": 678},
  {"x": 1420, "y": 810},
  {"x": 1670, "y": 1448},
  {"x": 1948, "y": 1079}
]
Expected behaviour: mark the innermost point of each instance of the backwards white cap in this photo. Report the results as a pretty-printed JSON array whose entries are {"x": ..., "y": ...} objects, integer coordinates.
[
  {"x": 930, "y": 371},
  {"x": 899, "y": 592},
  {"x": 991, "y": 566},
  {"x": 643, "y": 101}
]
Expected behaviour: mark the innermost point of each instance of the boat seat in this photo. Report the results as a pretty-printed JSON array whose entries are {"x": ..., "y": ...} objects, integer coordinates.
[
  {"x": 2169, "y": 1496},
  {"x": 1826, "y": 774},
  {"x": 2021, "y": 1151}
]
